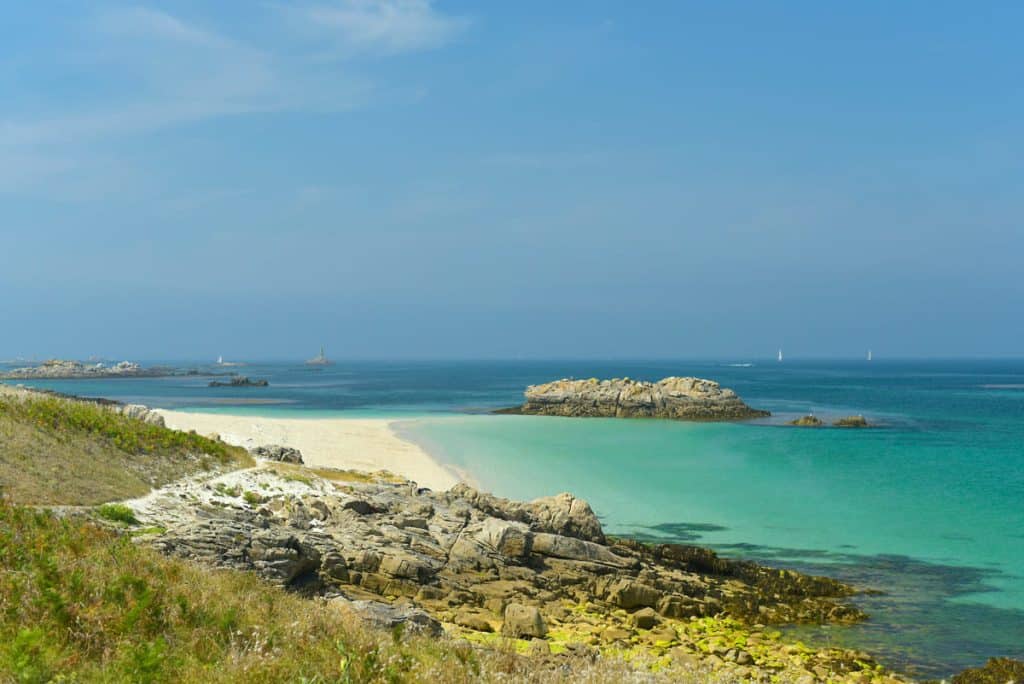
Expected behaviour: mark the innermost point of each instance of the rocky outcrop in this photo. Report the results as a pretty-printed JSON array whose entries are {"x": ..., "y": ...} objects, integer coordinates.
[
  {"x": 239, "y": 381},
  {"x": 463, "y": 548},
  {"x": 140, "y": 412},
  {"x": 562, "y": 514},
  {"x": 61, "y": 369},
  {"x": 852, "y": 422},
  {"x": 276, "y": 452},
  {"x": 807, "y": 421},
  {"x": 539, "y": 570},
  {"x": 675, "y": 398}
]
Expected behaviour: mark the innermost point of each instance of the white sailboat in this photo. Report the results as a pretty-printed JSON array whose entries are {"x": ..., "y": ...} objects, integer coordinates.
[
  {"x": 220, "y": 360},
  {"x": 869, "y": 354},
  {"x": 780, "y": 355}
]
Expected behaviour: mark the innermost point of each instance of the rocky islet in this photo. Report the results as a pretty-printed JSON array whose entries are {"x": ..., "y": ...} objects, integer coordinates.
[{"x": 677, "y": 398}]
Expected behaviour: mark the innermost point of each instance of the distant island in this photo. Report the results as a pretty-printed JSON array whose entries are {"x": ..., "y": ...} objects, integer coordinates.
[
  {"x": 673, "y": 398},
  {"x": 63, "y": 369}
]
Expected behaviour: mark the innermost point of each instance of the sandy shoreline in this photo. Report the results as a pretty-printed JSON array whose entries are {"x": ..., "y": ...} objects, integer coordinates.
[{"x": 367, "y": 444}]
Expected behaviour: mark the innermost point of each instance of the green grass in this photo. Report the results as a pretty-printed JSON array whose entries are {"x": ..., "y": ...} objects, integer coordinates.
[
  {"x": 60, "y": 451},
  {"x": 80, "y": 603},
  {"x": 117, "y": 513}
]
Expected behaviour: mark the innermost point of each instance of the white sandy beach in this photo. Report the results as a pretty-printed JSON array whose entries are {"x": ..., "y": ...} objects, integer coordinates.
[{"x": 367, "y": 444}]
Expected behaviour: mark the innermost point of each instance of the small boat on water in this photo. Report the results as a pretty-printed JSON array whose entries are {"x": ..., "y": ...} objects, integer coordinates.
[
  {"x": 869, "y": 354},
  {"x": 222, "y": 362},
  {"x": 780, "y": 355},
  {"x": 319, "y": 360}
]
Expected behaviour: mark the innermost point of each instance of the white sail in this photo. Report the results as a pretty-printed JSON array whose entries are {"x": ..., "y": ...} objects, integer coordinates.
[
  {"x": 220, "y": 360},
  {"x": 869, "y": 354},
  {"x": 780, "y": 356}
]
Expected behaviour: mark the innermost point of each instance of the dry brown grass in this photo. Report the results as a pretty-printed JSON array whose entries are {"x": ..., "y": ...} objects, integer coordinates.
[
  {"x": 79, "y": 603},
  {"x": 59, "y": 451}
]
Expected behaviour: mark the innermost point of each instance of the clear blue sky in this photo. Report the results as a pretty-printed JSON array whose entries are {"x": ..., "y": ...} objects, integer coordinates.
[{"x": 407, "y": 178}]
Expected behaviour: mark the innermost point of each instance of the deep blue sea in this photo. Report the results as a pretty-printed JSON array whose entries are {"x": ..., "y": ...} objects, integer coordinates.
[{"x": 927, "y": 507}]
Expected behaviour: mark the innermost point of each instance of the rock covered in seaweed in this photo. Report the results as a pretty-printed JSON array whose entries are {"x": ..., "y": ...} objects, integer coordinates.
[{"x": 674, "y": 397}]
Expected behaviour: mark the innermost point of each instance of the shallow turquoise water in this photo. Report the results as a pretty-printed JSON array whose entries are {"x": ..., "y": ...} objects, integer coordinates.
[{"x": 927, "y": 507}]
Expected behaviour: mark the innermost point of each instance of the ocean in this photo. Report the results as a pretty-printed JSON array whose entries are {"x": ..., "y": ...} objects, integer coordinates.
[{"x": 926, "y": 508}]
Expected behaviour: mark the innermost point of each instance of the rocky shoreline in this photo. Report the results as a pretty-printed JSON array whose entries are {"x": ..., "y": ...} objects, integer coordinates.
[
  {"x": 672, "y": 398},
  {"x": 62, "y": 369},
  {"x": 541, "y": 574}
]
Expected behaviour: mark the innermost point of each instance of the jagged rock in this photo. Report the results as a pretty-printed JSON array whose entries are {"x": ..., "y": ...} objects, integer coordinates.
[
  {"x": 562, "y": 514},
  {"x": 389, "y": 616},
  {"x": 282, "y": 558},
  {"x": 276, "y": 452},
  {"x": 510, "y": 539},
  {"x": 463, "y": 555},
  {"x": 578, "y": 550},
  {"x": 807, "y": 421},
  {"x": 678, "y": 398},
  {"x": 523, "y": 621}
]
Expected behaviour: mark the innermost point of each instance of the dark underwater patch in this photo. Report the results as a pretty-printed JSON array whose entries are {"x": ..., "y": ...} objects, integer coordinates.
[{"x": 915, "y": 626}]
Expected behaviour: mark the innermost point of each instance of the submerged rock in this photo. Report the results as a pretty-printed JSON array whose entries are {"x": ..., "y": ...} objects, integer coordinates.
[
  {"x": 239, "y": 381},
  {"x": 995, "y": 671},
  {"x": 677, "y": 398}
]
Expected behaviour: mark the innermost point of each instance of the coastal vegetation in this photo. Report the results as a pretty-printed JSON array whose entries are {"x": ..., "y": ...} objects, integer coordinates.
[
  {"x": 80, "y": 603},
  {"x": 58, "y": 451}
]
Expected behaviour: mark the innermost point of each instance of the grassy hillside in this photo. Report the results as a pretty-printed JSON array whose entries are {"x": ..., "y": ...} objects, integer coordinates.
[
  {"x": 57, "y": 451},
  {"x": 80, "y": 603}
]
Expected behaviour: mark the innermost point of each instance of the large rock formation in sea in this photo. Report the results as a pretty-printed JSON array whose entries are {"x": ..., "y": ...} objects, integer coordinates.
[{"x": 676, "y": 398}]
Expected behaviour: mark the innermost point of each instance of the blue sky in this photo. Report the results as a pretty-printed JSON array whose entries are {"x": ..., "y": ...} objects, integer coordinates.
[{"x": 407, "y": 178}]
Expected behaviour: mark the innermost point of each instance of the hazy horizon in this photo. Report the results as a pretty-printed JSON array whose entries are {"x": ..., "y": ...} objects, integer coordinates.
[{"x": 418, "y": 179}]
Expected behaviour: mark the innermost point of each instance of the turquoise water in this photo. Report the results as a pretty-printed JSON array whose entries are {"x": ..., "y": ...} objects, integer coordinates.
[{"x": 927, "y": 507}]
